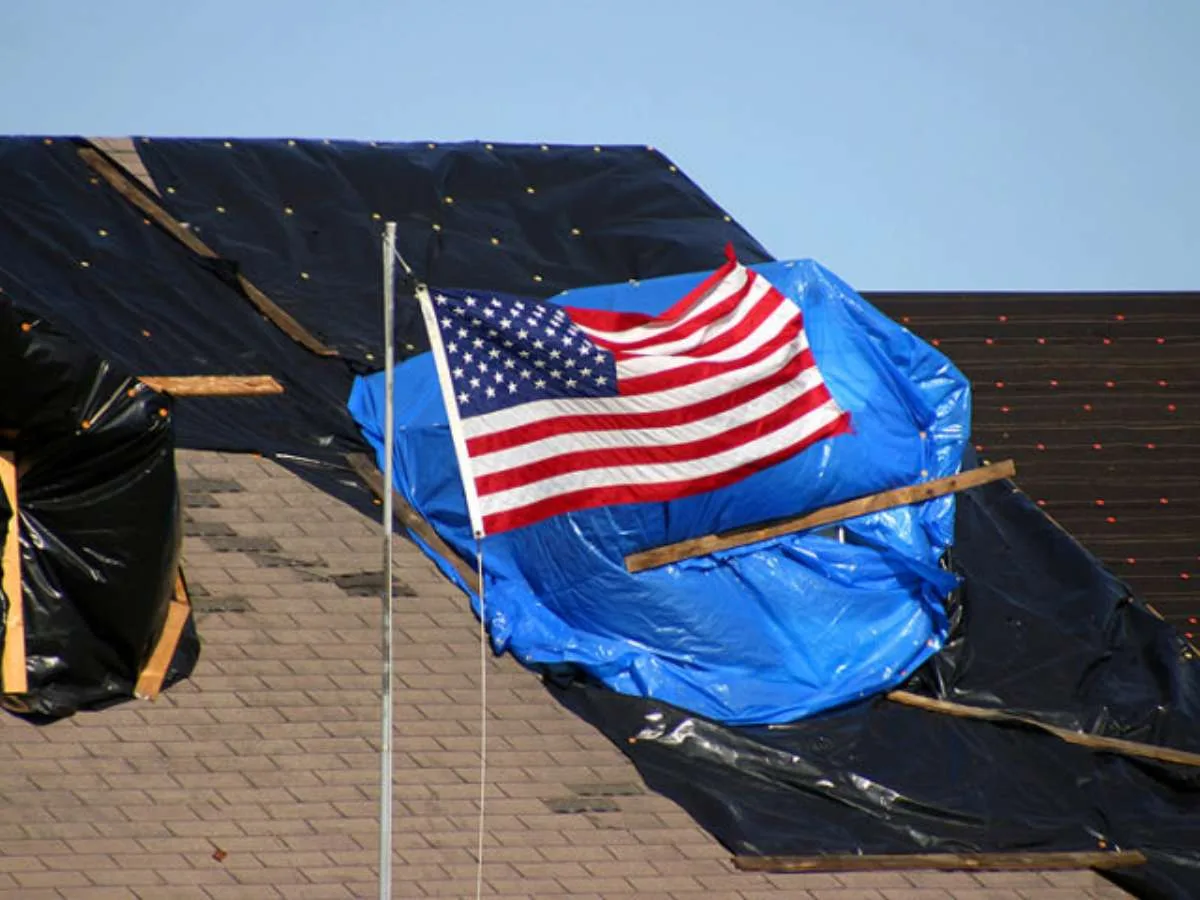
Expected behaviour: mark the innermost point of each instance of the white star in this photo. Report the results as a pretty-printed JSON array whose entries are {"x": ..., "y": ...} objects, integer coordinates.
[
  {"x": 518, "y": 306},
  {"x": 509, "y": 362},
  {"x": 540, "y": 363},
  {"x": 569, "y": 363},
  {"x": 459, "y": 372},
  {"x": 566, "y": 341},
  {"x": 489, "y": 312},
  {"x": 464, "y": 397},
  {"x": 469, "y": 301},
  {"x": 504, "y": 323},
  {"x": 492, "y": 332},
  {"x": 452, "y": 347},
  {"x": 495, "y": 302},
  {"x": 494, "y": 352},
  {"x": 512, "y": 387},
  {"x": 483, "y": 367},
  {"x": 477, "y": 343},
  {"x": 599, "y": 357},
  {"x": 500, "y": 378},
  {"x": 531, "y": 320},
  {"x": 538, "y": 345},
  {"x": 555, "y": 354},
  {"x": 524, "y": 354},
  {"x": 522, "y": 334},
  {"x": 446, "y": 321},
  {"x": 585, "y": 372},
  {"x": 468, "y": 357},
  {"x": 540, "y": 383},
  {"x": 462, "y": 332},
  {"x": 477, "y": 321},
  {"x": 508, "y": 344},
  {"x": 600, "y": 379},
  {"x": 571, "y": 382},
  {"x": 491, "y": 392},
  {"x": 440, "y": 299},
  {"x": 474, "y": 382},
  {"x": 525, "y": 374},
  {"x": 556, "y": 373},
  {"x": 550, "y": 332}
]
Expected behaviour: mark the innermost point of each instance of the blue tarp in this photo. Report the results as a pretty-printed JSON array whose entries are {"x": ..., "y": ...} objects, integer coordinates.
[{"x": 762, "y": 634}]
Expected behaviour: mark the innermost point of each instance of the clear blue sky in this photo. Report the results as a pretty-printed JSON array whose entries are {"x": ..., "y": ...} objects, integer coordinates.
[{"x": 1019, "y": 144}]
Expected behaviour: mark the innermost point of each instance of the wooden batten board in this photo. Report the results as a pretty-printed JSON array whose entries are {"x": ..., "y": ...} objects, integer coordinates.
[
  {"x": 150, "y": 681},
  {"x": 213, "y": 385},
  {"x": 15, "y": 677},
  {"x": 123, "y": 185},
  {"x": 917, "y": 493},
  {"x": 364, "y": 467},
  {"x": 1079, "y": 738},
  {"x": 968, "y": 862}
]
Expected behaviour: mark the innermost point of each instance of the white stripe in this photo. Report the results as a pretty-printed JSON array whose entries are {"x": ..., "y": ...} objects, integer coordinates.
[
  {"x": 546, "y": 448},
  {"x": 671, "y": 398},
  {"x": 656, "y": 328},
  {"x": 716, "y": 328},
  {"x": 733, "y": 458},
  {"x": 768, "y": 331}
]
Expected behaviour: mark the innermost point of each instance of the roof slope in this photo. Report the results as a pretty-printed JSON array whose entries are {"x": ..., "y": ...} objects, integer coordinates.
[{"x": 258, "y": 778}]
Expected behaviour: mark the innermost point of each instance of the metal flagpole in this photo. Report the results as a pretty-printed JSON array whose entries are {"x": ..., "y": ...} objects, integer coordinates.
[{"x": 385, "y": 761}]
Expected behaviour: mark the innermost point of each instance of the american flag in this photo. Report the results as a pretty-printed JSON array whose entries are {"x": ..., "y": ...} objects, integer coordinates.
[{"x": 555, "y": 409}]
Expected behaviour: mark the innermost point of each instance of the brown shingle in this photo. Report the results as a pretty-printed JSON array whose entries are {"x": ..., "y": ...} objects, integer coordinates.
[{"x": 269, "y": 754}]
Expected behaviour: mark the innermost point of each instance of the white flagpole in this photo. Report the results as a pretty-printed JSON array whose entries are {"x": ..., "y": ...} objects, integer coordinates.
[{"x": 385, "y": 761}]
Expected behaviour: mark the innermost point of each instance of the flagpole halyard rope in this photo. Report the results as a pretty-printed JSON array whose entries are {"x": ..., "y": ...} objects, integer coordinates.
[{"x": 483, "y": 640}]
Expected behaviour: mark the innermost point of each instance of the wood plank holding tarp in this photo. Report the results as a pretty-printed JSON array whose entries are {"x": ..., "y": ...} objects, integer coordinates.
[
  {"x": 13, "y": 666},
  {"x": 150, "y": 681},
  {"x": 1079, "y": 738},
  {"x": 124, "y": 185},
  {"x": 918, "y": 493},
  {"x": 213, "y": 385},
  {"x": 968, "y": 862}
]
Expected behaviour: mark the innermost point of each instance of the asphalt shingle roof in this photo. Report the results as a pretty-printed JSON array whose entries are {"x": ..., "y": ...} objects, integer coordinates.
[{"x": 258, "y": 778}]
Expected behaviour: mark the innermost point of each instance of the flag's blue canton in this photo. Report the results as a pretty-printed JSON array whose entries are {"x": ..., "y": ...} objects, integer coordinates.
[{"x": 505, "y": 351}]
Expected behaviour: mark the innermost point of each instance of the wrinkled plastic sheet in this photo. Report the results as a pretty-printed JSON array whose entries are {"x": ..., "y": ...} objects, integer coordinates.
[
  {"x": 1039, "y": 628},
  {"x": 764, "y": 633},
  {"x": 100, "y": 519},
  {"x": 303, "y": 221}
]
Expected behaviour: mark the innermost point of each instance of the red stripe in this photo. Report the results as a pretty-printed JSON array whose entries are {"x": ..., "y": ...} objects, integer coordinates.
[
  {"x": 700, "y": 371},
  {"x": 663, "y": 491},
  {"x": 610, "y": 320},
  {"x": 536, "y": 431},
  {"x": 723, "y": 340},
  {"x": 683, "y": 329},
  {"x": 600, "y": 458}
]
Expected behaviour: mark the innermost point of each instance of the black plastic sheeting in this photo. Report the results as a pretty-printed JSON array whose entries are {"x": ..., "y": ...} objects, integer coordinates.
[
  {"x": 1040, "y": 629},
  {"x": 100, "y": 519},
  {"x": 76, "y": 252},
  {"x": 302, "y": 219}
]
